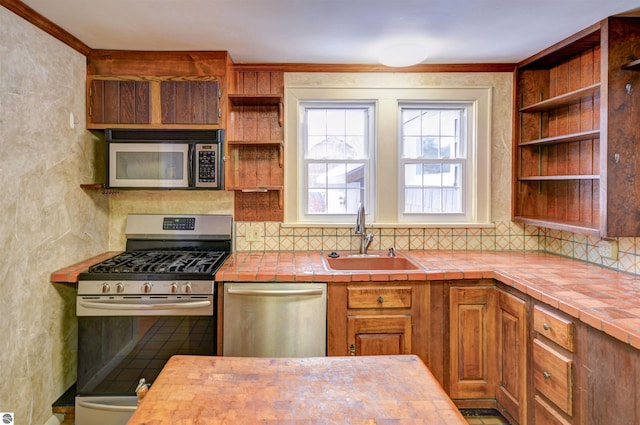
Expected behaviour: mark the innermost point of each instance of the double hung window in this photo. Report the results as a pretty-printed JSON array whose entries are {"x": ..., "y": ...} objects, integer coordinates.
[
  {"x": 417, "y": 155},
  {"x": 337, "y": 141}
]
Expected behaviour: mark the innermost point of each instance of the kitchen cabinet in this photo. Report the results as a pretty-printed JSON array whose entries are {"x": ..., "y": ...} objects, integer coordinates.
[
  {"x": 576, "y": 133},
  {"x": 255, "y": 145},
  {"x": 610, "y": 378},
  {"x": 472, "y": 341},
  {"x": 383, "y": 332},
  {"x": 554, "y": 359},
  {"x": 127, "y": 89},
  {"x": 511, "y": 391},
  {"x": 370, "y": 318},
  {"x": 117, "y": 102}
]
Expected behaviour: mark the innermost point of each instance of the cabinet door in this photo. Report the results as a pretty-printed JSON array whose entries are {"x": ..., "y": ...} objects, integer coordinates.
[
  {"x": 512, "y": 356},
  {"x": 472, "y": 342},
  {"x": 370, "y": 335},
  {"x": 189, "y": 102},
  {"x": 118, "y": 102}
]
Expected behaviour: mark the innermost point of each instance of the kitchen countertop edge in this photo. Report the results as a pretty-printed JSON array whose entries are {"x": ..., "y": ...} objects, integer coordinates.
[{"x": 595, "y": 295}]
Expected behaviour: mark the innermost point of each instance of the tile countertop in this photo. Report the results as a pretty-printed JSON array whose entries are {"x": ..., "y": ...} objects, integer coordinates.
[{"x": 602, "y": 298}]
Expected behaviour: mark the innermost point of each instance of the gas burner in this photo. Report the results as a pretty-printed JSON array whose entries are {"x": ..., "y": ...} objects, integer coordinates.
[{"x": 161, "y": 261}]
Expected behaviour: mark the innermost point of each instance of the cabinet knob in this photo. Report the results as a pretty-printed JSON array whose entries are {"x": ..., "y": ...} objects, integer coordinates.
[
  {"x": 380, "y": 300},
  {"x": 352, "y": 350},
  {"x": 546, "y": 327},
  {"x": 546, "y": 375}
]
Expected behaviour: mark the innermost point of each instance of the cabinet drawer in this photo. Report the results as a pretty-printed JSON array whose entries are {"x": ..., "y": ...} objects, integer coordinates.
[
  {"x": 552, "y": 376},
  {"x": 379, "y": 297},
  {"x": 546, "y": 415},
  {"x": 554, "y": 327}
]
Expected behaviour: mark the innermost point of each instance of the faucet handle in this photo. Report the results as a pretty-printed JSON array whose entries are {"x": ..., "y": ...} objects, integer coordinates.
[{"x": 392, "y": 252}]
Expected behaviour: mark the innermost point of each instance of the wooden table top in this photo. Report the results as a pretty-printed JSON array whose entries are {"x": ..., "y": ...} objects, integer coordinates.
[{"x": 320, "y": 390}]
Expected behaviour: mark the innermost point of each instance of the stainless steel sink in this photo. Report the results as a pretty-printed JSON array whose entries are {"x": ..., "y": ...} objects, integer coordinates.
[{"x": 368, "y": 262}]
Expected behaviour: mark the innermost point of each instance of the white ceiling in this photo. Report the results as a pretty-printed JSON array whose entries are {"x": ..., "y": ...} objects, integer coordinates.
[{"x": 330, "y": 31}]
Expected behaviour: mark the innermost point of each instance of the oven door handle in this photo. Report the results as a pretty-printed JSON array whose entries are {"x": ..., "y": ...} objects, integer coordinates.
[
  {"x": 106, "y": 406},
  {"x": 107, "y": 305}
]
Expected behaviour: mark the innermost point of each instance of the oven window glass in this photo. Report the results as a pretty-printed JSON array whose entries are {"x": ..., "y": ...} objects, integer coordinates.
[
  {"x": 115, "y": 352},
  {"x": 150, "y": 165}
]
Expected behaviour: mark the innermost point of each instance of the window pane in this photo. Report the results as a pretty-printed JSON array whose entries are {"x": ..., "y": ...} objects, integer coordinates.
[
  {"x": 336, "y": 150},
  {"x": 337, "y": 133},
  {"x": 433, "y": 188},
  {"x": 335, "y": 187},
  {"x": 438, "y": 131}
]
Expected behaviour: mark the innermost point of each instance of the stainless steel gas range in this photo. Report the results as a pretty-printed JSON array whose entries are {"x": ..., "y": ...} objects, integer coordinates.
[{"x": 139, "y": 308}]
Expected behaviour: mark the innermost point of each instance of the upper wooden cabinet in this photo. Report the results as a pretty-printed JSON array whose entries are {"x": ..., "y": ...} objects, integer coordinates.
[
  {"x": 576, "y": 133},
  {"x": 156, "y": 89},
  {"x": 118, "y": 102},
  {"x": 152, "y": 102}
]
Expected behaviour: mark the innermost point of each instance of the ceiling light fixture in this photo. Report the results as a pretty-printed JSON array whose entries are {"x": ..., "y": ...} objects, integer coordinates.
[{"x": 402, "y": 54}]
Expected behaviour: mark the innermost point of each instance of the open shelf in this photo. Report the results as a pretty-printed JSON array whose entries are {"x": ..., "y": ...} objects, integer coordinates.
[
  {"x": 565, "y": 177},
  {"x": 632, "y": 66},
  {"x": 259, "y": 100},
  {"x": 565, "y": 138},
  {"x": 563, "y": 100},
  {"x": 260, "y": 189},
  {"x": 585, "y": 228}
]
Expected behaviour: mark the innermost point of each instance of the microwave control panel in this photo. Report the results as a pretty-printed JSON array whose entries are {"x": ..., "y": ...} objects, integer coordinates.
[{"x": 207, "y": 165}]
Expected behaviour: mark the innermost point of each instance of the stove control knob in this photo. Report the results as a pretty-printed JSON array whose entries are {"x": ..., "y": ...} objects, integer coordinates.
[
  {"x": 187, "y": 288},
  {"x": 105, "y": 287},
  {"x": 146, "y": 288},
  {"x": 119, "y": 287},
  {"x": 173, "y": 288}
]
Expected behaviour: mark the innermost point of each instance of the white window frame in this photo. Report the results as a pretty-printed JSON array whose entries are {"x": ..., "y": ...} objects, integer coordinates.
[
  {"x": 385, "y": 178},
  {"x": 369, "y": 160},
  {"x": 467, "y": 159}
]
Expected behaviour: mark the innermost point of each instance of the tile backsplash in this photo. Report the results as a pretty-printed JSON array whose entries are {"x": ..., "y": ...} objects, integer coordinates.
[{"x": 504, "y": 236}]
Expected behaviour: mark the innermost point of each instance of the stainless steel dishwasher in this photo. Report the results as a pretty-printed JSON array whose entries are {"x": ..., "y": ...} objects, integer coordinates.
[{"x": 274, "y": 319}]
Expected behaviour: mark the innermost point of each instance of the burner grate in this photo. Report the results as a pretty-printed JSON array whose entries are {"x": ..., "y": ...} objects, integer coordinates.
[{"x": 161, "y": 261}]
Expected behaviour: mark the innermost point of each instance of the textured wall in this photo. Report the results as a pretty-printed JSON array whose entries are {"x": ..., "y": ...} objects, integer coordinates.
[{"x": 48, "y": 222}]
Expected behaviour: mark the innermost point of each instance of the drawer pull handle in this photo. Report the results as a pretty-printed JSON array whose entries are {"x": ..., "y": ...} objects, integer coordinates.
[
  {"x": 546, "y": 375},
  {"x": 546, "y": 327},
  {"x": 380, "y": 300}
]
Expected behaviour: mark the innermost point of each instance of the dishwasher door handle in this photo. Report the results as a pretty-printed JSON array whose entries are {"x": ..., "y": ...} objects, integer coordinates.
[{"x": 277, "y": 292}]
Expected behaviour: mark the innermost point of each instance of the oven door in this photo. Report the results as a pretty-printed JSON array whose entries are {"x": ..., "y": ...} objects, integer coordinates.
[
  {"x": 122, "y": 339},
  {"x": 149, "y": 165}
]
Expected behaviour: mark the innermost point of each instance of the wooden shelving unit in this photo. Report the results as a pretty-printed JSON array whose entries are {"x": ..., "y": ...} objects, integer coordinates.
[
  {"x": 255, "y": 145},
  {"x": 576, "y": 133}
]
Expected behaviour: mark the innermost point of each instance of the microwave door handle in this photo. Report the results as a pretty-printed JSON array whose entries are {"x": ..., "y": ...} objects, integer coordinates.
[{"x": 191, "y": 166}]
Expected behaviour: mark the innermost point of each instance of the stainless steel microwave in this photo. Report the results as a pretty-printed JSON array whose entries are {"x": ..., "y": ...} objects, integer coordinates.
[{"x": 164, "y": 159}]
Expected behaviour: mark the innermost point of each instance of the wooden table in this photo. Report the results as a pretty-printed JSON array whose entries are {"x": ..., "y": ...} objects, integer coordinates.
[{"x": 321, "y": 390}]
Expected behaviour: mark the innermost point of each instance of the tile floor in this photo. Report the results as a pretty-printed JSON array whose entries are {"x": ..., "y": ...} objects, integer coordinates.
[{"x": 483, "y": 417}]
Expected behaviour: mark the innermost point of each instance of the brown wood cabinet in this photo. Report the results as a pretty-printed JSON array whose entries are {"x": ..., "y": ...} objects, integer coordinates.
[
  {"x": 472, "y": 343},
  {"x": 255, "y": 145},
  {"x": 118, "y": 102},
  {"x": 128, "y": 89},
  {"x": 152, "y": 102},
  {"x": 554, "y": 359},
  {"x": 388, "y": 330},
  {"x": 371, "y": 318},
  {"x": 511, "y": 391},
  {"x": 576, "y": 133}
]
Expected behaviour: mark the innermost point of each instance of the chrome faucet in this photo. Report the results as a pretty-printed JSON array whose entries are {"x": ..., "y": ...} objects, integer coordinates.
[{"x": 361, "y": 229}]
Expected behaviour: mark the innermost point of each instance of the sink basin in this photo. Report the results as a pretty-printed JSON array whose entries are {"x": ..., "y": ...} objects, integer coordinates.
[{"x": 369, "y": 262}]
